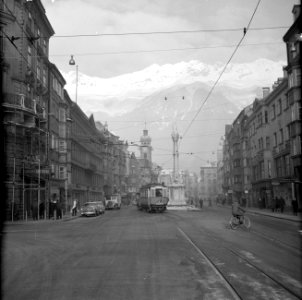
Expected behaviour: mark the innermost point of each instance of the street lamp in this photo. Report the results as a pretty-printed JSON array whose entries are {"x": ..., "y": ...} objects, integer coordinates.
[{"x": 72, "y": 63}]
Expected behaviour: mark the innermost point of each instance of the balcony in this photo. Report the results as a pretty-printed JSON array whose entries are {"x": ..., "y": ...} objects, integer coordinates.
[
  {"x": 281, "y": 149},
  {"x": 20, "y": 102}
]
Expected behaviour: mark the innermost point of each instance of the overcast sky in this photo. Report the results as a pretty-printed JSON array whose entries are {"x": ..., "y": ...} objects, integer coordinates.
[{"x": 76, "y": 17}]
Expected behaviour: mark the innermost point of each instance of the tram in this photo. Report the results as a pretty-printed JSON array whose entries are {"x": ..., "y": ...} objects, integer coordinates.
[{"x": 153, "y": 198}]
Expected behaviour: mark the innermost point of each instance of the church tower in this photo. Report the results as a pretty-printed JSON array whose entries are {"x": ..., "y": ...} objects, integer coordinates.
[{"x": 145, "y": 147}]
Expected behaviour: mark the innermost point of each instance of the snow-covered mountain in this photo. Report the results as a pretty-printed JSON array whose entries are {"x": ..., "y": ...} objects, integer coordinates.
[
  {"x": 164, "y": 97},
  {"x": 121, "y": 94}
]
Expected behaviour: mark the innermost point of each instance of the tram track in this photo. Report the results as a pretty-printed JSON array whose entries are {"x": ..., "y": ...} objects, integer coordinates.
[
  {"x": 276, "y": 240},
  {"x": 225, "y": 281},
  {"x": 271, "y": 276}
]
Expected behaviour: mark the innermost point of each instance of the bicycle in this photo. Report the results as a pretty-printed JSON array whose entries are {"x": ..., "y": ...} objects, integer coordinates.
[{"x": 240, "y": 220}]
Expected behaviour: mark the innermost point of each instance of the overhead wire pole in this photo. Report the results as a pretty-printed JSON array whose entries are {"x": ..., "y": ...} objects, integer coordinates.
[{"x": 245, "y": 29}]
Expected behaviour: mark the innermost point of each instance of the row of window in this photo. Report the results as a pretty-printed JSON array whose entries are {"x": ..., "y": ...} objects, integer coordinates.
[
  {"x": 41, "y": 41},
  {"x": 80, "y": 176},
  {"x": 58, "y": 171},
  {"x": 58, "y": 88},
  {"x": 282, "y": 168},
  {"x": 41, "y": 70}
]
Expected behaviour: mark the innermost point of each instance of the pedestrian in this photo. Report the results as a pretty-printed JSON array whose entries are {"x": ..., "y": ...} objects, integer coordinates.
[
  {"x": 259, "y": 202},
  {"x": 59, "y": 210},
  {"x": 295, "y": 207},
  {"x": 277, "y": 207},
  {"x": 74, "y": 207},
  {"x": 34, "y": 208},
  {"x": 200, "y": 202},
  {"x": 273, "y": 204},
  {"x": 54, "y": 206},
  {"x": 41, "y": 210},
  {"x": 282, "y": 204}
]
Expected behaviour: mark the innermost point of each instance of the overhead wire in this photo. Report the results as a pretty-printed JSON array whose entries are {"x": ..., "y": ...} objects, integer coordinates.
[
  {"x": 167, "y": 32},
  {"x": 246, "y": 29},
  {"x": 156, "y": 50}
]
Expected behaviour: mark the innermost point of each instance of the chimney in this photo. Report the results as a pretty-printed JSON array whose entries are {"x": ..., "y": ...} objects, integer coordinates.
[
  {"x": 284, "y": 72},
  {"x": 274, "y": 85},
  {"x": 296, "y": 12},
  {"x": 266, "y": 91}
]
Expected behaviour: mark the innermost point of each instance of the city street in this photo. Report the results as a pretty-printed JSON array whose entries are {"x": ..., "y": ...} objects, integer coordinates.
[{"x": 130, "y": 254}]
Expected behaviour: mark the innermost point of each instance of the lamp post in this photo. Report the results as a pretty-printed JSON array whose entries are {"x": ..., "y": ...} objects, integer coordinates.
[{"x": 72, "y": 63}]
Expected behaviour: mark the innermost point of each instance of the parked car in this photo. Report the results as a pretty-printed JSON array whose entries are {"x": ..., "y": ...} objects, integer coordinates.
[
  {"x": 89, "y": 209},
  {"x": 100, "y": 206},
  {"x": 114, "y": 202}
]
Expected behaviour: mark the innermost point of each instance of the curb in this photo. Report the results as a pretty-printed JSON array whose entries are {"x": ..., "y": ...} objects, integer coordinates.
[
  {"x": 273, "y": 216},
  {"x": 22, "y": 222},
  {"x": 280, "y": 217}
]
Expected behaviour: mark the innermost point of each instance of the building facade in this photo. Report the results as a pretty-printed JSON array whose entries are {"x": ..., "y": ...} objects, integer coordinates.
[
  {"x": 292, "y": 38},
  {"x": 24, "y": 51},
  {"x": 262, "y": 148},
  {"x": 208, "y": 184}
]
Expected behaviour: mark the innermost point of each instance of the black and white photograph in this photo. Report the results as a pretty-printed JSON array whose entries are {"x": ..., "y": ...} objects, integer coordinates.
[{"x": 151, "y": 150}]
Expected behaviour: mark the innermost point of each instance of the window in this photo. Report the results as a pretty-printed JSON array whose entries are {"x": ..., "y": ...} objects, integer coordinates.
[
  {"x": 267, "y": 142},
  {"x": 281, "y": 136},
  {"x": 245, "y": 162},
  {"x": 294, "y": 78},
  {"x": 296, "y": 111},
  {"x": 260, "y": 143},
  {"x": 275, "y": 139},
  {"x": 262, "y": 170},
  {"x": 62, "y": 173},
  {"x": 279, "y": 107},
  {"x": 38, "y": 71},
  {"x": 269, "y": 168},
  {"x": 266, "y": 117},
  {"x": 279, "y": 167},
  {"x": 297, "y": 146},
  {"x": 286, "y": 103},
  {"x": 45, "y": 46},
  {"x": 62, "y": 146},
  {"x": 30, "y": 20},
  {"x": 38, "y": 35},
  {"x": 259, "y": 119},
  {"x": 62, "y": 115},
  {"x": 287, "y": 165},
  {"x": 236, "y": 163},
  {"x": 52, "y": 142},
  {"x": 29, "y": 56},
  {"x": 273, "y": 112},
  {"x": 44, "y": 77},
  {"x": 237, "y": 179},
  {"x": 287, "y": 133}
]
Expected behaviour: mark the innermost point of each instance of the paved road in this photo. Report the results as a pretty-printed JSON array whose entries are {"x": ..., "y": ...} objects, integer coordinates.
[{"x": 128, "y": 254}]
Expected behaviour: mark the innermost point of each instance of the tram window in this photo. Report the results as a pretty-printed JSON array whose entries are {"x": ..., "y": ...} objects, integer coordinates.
[{"x": 158, "y": 193}]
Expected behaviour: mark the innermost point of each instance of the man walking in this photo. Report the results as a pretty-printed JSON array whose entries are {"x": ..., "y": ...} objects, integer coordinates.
[{"x": 74, "y": 207}]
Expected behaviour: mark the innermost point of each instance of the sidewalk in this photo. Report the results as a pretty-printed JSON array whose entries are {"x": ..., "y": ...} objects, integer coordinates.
[
  {"x": 268, "y": 213},
  {"x": 66, "y": 217}
]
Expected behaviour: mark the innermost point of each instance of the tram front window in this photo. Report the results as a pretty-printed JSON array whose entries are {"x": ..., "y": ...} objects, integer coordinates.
[{"x": 158, "y": 193}]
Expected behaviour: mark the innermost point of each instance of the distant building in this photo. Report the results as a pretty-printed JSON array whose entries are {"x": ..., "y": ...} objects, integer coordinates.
[
  {"x": 145, "y": 160},
  {"x": 208, "y": 184}
]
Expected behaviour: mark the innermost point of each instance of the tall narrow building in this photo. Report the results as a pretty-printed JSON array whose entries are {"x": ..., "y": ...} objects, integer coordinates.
[{"x": 145, "y": 158}]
